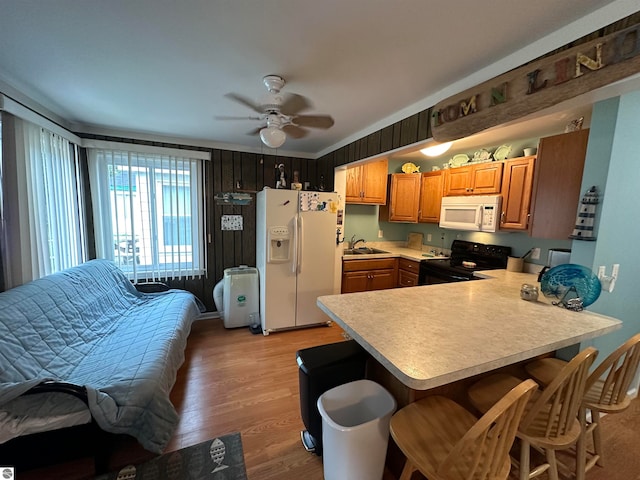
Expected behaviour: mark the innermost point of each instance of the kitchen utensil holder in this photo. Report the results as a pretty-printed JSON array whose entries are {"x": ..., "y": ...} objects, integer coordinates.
[{"x": 515, "y": 264}]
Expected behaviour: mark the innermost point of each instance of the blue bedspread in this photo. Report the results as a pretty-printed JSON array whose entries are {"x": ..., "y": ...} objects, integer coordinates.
[{"x": 89, "y": 326}]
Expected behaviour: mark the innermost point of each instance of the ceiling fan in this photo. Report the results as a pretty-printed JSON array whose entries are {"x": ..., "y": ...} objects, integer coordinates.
[{"x": 280, "y": 114}]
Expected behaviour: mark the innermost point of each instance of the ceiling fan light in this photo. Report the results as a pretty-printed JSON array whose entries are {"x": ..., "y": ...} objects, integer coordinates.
[
  {"x": 272, "y": 137},
  {"x": 438, "y": 149}
]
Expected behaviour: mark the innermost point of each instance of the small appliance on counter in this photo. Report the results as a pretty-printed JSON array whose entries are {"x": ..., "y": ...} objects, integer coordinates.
[{"x": 557, "y": 256}]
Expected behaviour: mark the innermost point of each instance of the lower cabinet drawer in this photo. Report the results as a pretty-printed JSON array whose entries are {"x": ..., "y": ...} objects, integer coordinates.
[
  {"x": 407, "y": 279},
  {"x": 369, "y": 264},
  {"x": 408, "y": 265}
]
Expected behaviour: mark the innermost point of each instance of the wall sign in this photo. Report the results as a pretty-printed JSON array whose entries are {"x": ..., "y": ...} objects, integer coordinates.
[
  {"x": 538, "y": 85},
  {"x": 231, "y": 222}
]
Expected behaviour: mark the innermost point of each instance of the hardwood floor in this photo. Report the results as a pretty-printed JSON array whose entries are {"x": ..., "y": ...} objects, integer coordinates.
[
  {"x": 232, "y": 381},
  {"x": 235, "y": 381}
]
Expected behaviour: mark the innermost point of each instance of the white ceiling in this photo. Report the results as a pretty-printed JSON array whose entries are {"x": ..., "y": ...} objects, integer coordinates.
[{"x": 145, "y": 68}]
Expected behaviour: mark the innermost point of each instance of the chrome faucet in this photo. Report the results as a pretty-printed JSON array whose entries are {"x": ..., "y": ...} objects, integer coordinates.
[{"x": 353, "y": 242}]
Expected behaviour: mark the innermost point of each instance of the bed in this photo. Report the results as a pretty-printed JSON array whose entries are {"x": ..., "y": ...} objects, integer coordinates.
[{"x": 84, "y": 345}]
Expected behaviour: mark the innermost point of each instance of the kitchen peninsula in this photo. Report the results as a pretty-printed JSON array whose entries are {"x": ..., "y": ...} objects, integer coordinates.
[{"x": 434, "y": 335}]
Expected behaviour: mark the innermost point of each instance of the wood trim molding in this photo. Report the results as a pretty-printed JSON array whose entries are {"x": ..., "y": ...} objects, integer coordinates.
[{"x": 538, "y": 85}]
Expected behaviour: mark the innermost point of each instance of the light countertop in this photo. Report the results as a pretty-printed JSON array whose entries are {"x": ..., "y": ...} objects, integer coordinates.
[
  {"x": 433, "y": 335},
  {"x": 395, "y": 251}
]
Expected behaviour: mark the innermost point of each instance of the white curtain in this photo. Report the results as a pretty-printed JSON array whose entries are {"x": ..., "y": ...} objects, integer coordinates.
[
  {"x": 54, "y": 213},
  {"x": 148, "y": 212},
  {"x": 47, "y": 224}
]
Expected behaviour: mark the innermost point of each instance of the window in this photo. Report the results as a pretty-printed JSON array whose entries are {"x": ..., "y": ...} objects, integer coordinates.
[
  {"x": 53, "y": 208},
  {"x": 148, "y": 212},
  {"x": 43, "y": 220}
]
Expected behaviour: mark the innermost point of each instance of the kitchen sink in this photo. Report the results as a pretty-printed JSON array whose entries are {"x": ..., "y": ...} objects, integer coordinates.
[{"x": 363, "y": 251}]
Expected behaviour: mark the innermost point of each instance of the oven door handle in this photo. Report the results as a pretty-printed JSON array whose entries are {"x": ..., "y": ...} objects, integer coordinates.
[{"x": 447, "y": 276}]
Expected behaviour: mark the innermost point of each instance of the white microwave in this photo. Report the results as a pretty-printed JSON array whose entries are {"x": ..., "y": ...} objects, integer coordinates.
[{"x": 479, "y": 213}]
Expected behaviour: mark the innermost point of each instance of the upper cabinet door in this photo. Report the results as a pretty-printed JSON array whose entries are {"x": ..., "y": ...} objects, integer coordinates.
[
  {"x": 457, "y": 181},
  {"x": 404, "y": 197},
  {"x": 353, "y": 192},
  {"x": 556, "y": 184},
  {"x": 516, "y": 193},
  {"x": 487, "y": 178},
  {"x": 375, "y": 182},
  {"x": 479, "y": 179},
  {"x": 431, "y": 190},
  {"x": 367, "y": 183}
]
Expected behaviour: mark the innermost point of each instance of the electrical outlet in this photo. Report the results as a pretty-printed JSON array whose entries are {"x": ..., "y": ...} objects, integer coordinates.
[
  {"x": 380, "y": 234},
  {"x": 535, "y": 253},
  {"x": 428, "y": 237}
]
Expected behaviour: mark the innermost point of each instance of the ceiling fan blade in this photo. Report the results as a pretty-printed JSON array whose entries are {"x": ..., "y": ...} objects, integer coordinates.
[
  {"x": 314, "y": 121},
  {"x": 244, "y": 101},
  {"x": 294, "y": 103},
  {"x": 228, "y": 117},
  {"x": 295, "y": 131}
]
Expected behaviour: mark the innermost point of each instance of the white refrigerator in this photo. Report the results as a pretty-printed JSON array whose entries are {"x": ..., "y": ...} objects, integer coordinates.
[{"x": 295, "y": 256}]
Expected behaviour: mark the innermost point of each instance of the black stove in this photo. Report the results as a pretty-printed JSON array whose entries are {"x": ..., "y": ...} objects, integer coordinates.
[{"x": 466, "y": 257}]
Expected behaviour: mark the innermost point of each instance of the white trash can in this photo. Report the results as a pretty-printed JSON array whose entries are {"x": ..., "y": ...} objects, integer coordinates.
[{"x": 355, "y": 430}]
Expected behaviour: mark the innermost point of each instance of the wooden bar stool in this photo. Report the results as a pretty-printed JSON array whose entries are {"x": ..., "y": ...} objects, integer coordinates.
[
  {"x": 606, "y": 390},
  {"x": 444, "y": 441},
  {"x": 550, "y": 422}
]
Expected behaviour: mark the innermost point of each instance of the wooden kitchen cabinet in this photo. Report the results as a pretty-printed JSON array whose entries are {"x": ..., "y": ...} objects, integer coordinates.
[
  {"x": 408, "y": 271},
  {"x": 403, "y": 200},
  {"x": 556, "y": 184},
  {"x": 367, "y": 183},
  {"x": 517, "y": 183},
  {"x": 369, "y": 274},
  {"x": 479, "y": 179},
  {"x": 431, "y": 189}
]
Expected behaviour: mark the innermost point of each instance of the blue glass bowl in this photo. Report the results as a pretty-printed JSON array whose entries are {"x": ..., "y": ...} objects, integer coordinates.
[{"x": 558, "y": 280}]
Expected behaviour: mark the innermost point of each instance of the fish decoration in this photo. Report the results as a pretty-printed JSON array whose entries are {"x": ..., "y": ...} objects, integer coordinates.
[
  {"x": 127, "y": 473},
  {"x": 217, "y": 450},
  {"x": 410, "y": 168}
]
